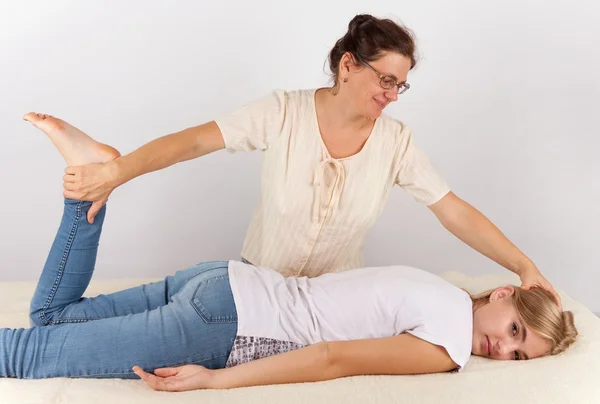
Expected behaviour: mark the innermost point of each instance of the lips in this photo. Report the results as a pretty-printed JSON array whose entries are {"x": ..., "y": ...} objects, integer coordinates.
[
  {"x": 382, "y": 106},
  {"x": 488, "y": 346}
]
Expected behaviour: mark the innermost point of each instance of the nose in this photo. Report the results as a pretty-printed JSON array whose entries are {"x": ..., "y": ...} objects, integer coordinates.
[
  {"x": 392, "y": 94},
  {"x": 505, "y": 348}
]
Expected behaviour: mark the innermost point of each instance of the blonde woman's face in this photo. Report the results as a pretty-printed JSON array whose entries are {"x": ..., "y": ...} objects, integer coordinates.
[{"x": 499, "y": 332}]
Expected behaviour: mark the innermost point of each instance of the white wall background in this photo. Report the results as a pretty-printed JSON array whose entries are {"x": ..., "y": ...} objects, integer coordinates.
[{"x": 505, "y": 101}]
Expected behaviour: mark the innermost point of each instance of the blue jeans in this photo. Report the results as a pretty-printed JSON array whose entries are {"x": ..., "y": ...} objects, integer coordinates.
[{"x": 186, "y": 318}]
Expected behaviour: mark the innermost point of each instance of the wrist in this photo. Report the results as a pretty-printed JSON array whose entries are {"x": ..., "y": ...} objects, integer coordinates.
[
  {"x": 217, "y": 379},
  {"x": 526, "y": 267},
  {"x": 117, "y": 169}
]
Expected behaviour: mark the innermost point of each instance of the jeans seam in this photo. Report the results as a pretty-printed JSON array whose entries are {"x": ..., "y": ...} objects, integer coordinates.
[
  {"x": 226, "y": 266},
  {"x": 74, "y": 320},
  {"x": 63, "y": 261}
]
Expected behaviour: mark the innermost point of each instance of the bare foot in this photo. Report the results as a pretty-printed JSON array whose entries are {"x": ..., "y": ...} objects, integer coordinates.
[{"x": 76, "y": 147}]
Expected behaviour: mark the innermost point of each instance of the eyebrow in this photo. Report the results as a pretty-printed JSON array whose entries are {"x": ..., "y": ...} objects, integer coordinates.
[
  {"x": 392, "y": 76},
  {"x": 523, "y": 336},
  {"x": 395, "y": 78},
  {"x": 384, "y": 73}
]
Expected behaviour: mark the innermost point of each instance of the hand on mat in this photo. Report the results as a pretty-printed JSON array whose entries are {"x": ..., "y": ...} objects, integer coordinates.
[
  {"x": 182, "y": 378},
  {"x": 532, "y": 277},
  {"x": 91, "y": 182}
]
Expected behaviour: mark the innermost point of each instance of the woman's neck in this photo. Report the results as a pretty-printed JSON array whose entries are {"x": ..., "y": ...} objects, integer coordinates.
[{"x": 336, "y": 111}]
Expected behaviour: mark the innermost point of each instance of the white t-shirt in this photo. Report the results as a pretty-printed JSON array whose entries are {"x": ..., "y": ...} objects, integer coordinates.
[
  {"x": 314, "y": 211},
  {"x": 278, "y": 314}
]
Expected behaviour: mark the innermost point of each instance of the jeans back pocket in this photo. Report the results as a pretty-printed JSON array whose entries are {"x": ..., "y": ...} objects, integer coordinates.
[{"x": 213, "y": 300}]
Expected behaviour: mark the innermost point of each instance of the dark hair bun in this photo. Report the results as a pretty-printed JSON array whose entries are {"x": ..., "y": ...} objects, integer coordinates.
[{"x": 358, "y": 20}]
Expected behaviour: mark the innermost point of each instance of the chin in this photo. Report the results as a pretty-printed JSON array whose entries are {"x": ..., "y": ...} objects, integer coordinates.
[{"x": 374, "y": 114}]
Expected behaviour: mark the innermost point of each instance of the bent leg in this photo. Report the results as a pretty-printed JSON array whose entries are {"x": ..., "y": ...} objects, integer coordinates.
[
  {"x": 70, "y": 263},
  {"x": 134, "y": 300},
  {"x": 69, "y": 269}
]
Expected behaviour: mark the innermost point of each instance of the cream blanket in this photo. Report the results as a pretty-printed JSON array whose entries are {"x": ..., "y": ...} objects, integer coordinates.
[{"x": 572, "y": 377}]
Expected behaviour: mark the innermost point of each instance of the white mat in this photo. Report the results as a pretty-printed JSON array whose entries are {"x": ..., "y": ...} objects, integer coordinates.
[{"x": 572, "y": 377}]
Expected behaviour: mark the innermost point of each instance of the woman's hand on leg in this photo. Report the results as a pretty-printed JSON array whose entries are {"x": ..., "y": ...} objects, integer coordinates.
[
  {"x": 92, "y": 182},
  {"x": 181, "y": 378}
]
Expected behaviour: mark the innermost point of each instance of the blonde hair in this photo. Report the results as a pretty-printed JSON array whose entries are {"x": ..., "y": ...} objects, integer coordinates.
[{"x": 541, "y": 314}]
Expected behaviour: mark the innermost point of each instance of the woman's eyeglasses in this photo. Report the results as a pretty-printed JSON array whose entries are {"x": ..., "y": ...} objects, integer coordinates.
[{"x": 388, "y": 82}]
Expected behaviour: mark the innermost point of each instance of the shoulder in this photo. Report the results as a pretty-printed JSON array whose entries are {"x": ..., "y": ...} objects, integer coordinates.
[
  {"x": 292, "y": 101},
  {"x": 445, "y": 310},
  {"x": 394, "y": 129},
  {"x": 448, "y": 321},
  {"x": 298, "y": 95}
]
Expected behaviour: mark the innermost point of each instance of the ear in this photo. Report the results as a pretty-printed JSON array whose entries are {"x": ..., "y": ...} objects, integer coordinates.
[
  {"x": 347, "y": 62},
  {"x": 502, "y": 293}
]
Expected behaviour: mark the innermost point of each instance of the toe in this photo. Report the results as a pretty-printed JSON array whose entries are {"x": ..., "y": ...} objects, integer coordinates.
[{"x": 32, "y": 117}]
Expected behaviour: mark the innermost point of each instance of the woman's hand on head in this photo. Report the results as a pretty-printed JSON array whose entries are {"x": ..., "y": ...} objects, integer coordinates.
[
  {"x": 532, "y": 277},
  {"x": 181, "y": 378},
  {"x": 91, "y": 182}
]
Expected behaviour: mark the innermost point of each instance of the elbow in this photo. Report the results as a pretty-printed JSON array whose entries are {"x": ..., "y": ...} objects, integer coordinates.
[
  {"x": 457, "y": 215},
  {"x": 325, "y": 353},
  {"x": 454, "y": 223},
  {"x": 334, "y": 364},
  {"x": 326, "y": 361}
]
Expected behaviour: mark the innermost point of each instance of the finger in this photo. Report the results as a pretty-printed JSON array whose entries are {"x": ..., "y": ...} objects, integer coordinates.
[
  {"x": 166, "y": 372},
  {"x": 141, "y": 373},
  {"x": 69, "y": 178},
  {"x": 138, "y": 371},
  {"x": 94, "y": 209},
  {"x": 74, "y": 170},
  {"x": 156, "y": 382},
  {"x": 70, "y": 195},
  {"x": 68, "y": 186},
  {"x": 548, "y": 287},
  {"x": 557, "y": 297}
]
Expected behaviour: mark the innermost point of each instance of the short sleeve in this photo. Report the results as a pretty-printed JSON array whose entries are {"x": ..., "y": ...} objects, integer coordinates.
[
  {"x": 416, "y": 175},
  {"x": 254, "y": 125},
  {"x": 447, "y": 322}
]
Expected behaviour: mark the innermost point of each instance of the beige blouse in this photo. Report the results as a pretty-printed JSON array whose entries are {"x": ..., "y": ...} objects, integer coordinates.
[{"x": 314, "y": 211}]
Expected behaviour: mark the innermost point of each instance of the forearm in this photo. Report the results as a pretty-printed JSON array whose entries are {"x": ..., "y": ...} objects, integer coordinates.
[
  {"x": 308, "y": 364},
  {"x": 478, "y": 232},
  {"x": 168, "y": 150}
]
